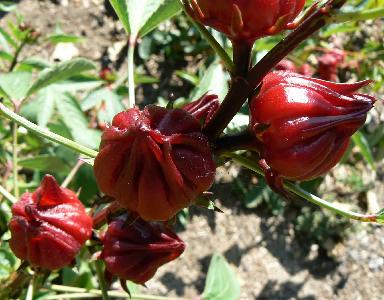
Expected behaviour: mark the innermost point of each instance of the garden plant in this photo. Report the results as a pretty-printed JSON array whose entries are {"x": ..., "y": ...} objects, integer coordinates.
[{"x": 147, "y": 164}]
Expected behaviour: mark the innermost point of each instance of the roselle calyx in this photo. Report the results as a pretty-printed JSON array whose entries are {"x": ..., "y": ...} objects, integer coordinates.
[
  {"x": 49, "y": 226},
  {"x": 329, "y": 64},
  {"x": 309, "y": 122},
  {"x": 204, "y": 108},
  {"x": 154, "y": 162},
  {"x": 245, "y": 20},
  {"x": 135, "y": 251}
]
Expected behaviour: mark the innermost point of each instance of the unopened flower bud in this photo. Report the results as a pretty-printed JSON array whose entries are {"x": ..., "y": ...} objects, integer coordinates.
[
  {"x": 134, "y": 252},
  {"x": 49, "y": 226},
  {"x": 245, "y": 20},
  {"x": 309, "y": 122},
  {"x": 203, "y": 108},
  {"x": 154, "y": 162},
  {"x": 329, "y": 64}
]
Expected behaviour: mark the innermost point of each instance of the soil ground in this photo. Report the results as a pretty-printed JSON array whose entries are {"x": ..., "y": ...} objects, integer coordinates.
[{"x": 269, "y": 260}]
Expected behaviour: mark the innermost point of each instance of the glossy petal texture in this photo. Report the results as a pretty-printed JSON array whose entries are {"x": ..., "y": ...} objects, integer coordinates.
[
  {"x": 310, "y": 122},
  {"x": 203, "y": 108},
  {"x": 154, "y": 162},
  {"x": 246, "y": 19},
  {"x": 135, "y": 252},
  {"x": 49, "y": 226}
]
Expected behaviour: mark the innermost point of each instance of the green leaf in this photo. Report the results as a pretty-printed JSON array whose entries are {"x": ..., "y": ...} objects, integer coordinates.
[
  {"x": 120, "y": 7},
  {"x": 6, "y": 55},
  {"x": 61, "y": 71},
  {"x": 165, "y": 9},
  {"x": 139, "y": 78},
  {"x": 76, "y": 122},
  {"x": 213, "y": 81},
  {"x": 16, "y": 84},
  {"x": 6, "y": 40},
  {"x": 193, "y": 79},
  {"x": 108, "y": 103},
  {"x": 7, "y": 261},
  {"x": 139, "y": 17},
  {"x": 36, "y": 63},
  {"x": 254, "y": 197},
  {"x": 45, "y": 163},
  {"x": 360, "y": 141},
  {"x": 46, "y": 98},
  {"x": 221, "y": 283},
  {"x": 64, "y": 38},
  {"x": 339, "y": 28},
  {"x": 7, "y": 6}
]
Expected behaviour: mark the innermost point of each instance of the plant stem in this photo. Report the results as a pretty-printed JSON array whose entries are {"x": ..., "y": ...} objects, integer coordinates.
[
  {"x": 232, "y": 103},
  {"x": 220, "y": 51},
  {"x": 242, "y": 141},
  {"x": 15, "y": 160},
  {"x": 242, "y": 51},
  {"x": 16, "y": 56},
  {"x": 114, "y": 294},
  {"x": 242, "y": 89},
  {"x": 101, "y": 217},
  {"x": 46, "y": 133},
  {"x": 252, "y": 165},
  {"x": 72, "y": 174},
  {"x": 131, "y": 72},
  {"x": 358, "y": 15},
  {"x": 30, "y": 290},
  {"x": 7, "y": 195},
  {"x": 100, "y": 276},
  {"x": 15, "y": 284}
]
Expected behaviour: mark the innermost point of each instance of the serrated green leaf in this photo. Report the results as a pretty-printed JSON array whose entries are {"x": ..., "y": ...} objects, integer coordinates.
[
  {"x": 360, "y": 141},
  {"x": 16, "y": 84},
  {"x": 221, "y": 283},
  {"x": 61, "y": 71},
  {"x": 45, "y": 163}
]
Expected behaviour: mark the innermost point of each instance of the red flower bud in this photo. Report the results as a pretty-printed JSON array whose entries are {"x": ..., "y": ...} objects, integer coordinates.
[
  {"x": 154, "y": 162},
  {"x": 286, "y": 65},
  {"x": 49, "y": 226},
  {"x": 245, "y": 20},
  {"x": 305, "y": 70},
  {"x": 204, "y": 108},
  {"x": 107, "y": 74},
  {"x": 329, "y": 64},
  {"x": 310, "y": 122},
  {"x": 135, "y": 252}
]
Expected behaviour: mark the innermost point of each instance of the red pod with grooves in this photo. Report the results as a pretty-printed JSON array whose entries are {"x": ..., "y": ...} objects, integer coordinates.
[
  {"x": 49, "y": 226},
  {"x": 309, "y": 122}
]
